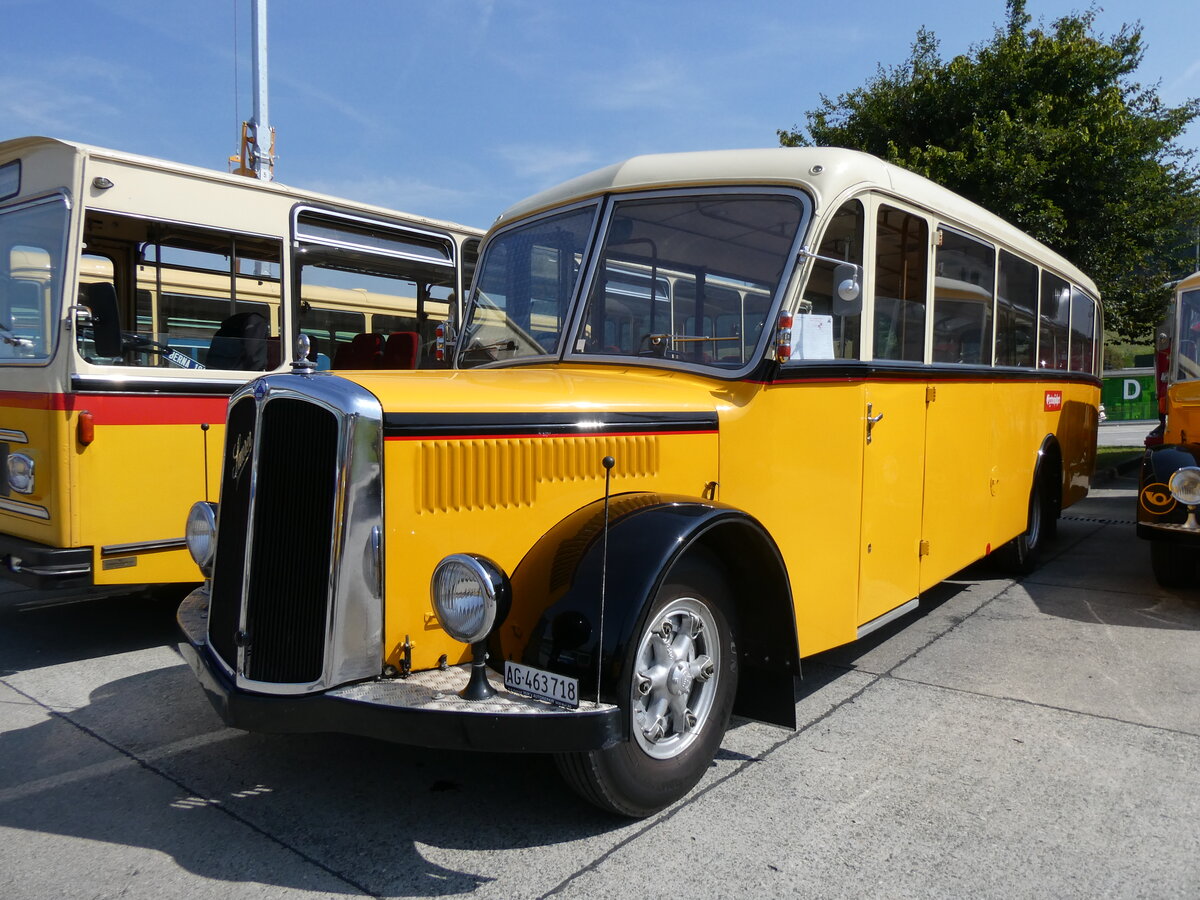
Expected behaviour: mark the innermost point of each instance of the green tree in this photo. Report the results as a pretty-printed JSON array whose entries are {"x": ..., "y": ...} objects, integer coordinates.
[{"x": 1048, "y": 129}]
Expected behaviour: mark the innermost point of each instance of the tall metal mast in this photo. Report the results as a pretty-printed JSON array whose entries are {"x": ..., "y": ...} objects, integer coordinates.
[{"x": 257, "y": 159}]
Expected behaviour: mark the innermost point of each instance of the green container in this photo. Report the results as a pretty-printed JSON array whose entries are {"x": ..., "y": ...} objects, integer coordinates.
[{"x": 1129, "y": 395}]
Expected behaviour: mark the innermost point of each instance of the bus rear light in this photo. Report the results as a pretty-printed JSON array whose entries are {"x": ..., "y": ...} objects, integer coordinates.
[
  {"x": 86, "y": 428},
  {"x": 783, "y": 338}
]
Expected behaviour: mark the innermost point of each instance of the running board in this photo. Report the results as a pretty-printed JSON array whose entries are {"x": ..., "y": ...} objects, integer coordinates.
[{"x": 864, "y": 630}]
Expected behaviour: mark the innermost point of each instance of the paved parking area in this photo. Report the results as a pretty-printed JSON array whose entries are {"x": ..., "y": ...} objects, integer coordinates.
[{"x": 1038, "y": 738}]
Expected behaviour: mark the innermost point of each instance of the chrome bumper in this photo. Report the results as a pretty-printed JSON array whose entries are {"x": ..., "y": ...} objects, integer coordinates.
[{"x": 423, "y": 710}]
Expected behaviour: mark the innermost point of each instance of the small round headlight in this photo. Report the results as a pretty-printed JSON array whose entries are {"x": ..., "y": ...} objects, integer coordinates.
[
  {"x": 1184, "y": 485},
  {"x": 470, "y": 596},
  {"x": 201, "y": 533}
]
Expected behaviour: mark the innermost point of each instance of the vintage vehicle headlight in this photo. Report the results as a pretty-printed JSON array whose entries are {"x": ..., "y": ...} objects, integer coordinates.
[
  {"x": 201, "y": 533},
  {"x": 1184, "y": 485},
  {"x": 20, "y": 473},
  {"x": 470, "y": 596}
]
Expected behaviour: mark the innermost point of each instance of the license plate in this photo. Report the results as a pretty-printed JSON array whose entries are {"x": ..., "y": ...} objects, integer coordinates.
[{"x": 558, "y": 689}]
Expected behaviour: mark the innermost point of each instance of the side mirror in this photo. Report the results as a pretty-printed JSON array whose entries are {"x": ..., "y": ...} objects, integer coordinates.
[{"x": 847, "y": 290}]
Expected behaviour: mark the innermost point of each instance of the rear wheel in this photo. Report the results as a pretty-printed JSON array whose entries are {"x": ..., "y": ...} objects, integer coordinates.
[
  {"x": 680, "y": 679},
  {"x": 1174, "y": 565},
  {"x": 1024, "y": 552}
]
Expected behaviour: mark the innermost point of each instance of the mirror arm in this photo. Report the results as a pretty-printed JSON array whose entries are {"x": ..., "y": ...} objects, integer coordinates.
[{"x": 804, "y": 253}]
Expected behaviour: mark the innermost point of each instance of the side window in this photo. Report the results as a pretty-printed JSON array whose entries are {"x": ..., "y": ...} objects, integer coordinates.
[
  {"x": 330, "y": 331},
  {"x": 843, "y": 240},
  {"x": 163, "y": 295},
  {"x": 1054, "y": 315},
  {"x": 32, "y": 257},
  {"x": 1083, "y": 332},
  {"x": 372, "y": 292},
  {"x": 901, "y": 253},
  {"x": 1187, "y": 353},
  {"x": 962, "y": 300},
  {"x": 1016, "y": 312}
]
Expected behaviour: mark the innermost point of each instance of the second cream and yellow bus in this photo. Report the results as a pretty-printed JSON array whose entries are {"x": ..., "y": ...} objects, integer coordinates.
[{"x": 135, "y": 296}]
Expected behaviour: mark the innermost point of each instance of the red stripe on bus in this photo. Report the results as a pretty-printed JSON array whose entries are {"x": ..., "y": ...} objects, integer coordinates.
[{"x": 113, "y": 409}]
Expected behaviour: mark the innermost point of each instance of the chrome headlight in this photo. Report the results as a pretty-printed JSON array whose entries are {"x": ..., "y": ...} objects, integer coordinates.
[
  {"x": 20, "y": 473},
  {"x": 470, "y": 595},
  {"x": 201, "y": 533},
  {"x": 1184, "y": 485}
]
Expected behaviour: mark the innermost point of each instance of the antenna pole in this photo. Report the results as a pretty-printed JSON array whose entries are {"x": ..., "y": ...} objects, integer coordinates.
[{"x": 260, "y": 136}]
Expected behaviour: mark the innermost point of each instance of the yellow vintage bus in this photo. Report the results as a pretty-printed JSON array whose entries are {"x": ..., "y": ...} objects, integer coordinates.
[
  {"x": 710, "y": 413},
  {"x": 1170, "y": 474},
  {"x": 135, "y": 296}
]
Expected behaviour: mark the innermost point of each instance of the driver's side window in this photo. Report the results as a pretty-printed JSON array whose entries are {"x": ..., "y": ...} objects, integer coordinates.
[{"x": 822, "y": 310}]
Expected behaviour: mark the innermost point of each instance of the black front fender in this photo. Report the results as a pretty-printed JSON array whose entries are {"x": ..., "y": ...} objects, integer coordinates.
[
  {"x": 1156, "y": 506},
  {"x": 576, "y": 594}
]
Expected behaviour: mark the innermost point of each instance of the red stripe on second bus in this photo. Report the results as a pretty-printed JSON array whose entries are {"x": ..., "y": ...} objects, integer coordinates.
[{"x": 115, "y": 409}]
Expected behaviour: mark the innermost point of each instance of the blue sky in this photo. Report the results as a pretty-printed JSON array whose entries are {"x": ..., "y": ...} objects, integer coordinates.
[{"x": 458, "y": 108}]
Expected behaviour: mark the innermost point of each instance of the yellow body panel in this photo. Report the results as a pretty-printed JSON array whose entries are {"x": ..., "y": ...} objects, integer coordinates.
[
  {"x": 893, "y": 463},
  {"x": 776, "y": 463},
  {"x": 45, "y": 515},
  {"x": 497, "y": 495},
  {"x": 1183, "y": 417},
  {"x": 862, "y": 527},
  {"x": 136, "y": 484}
]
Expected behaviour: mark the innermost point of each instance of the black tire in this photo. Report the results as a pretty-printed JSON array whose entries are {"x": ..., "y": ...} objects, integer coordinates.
[
  {"x": 664, "y": 758},
  {"x": 1174, "y": 565},
  {"x": 1023, "y": 553}
]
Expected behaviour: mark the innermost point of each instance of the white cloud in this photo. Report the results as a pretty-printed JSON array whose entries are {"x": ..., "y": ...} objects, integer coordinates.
[{"x": 543, "y": 164}]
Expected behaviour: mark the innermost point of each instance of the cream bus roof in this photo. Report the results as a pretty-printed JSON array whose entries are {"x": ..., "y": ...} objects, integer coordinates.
[
  {"x": 22, "y": 146},
  {"x": 1191, "y": 283},
  {"x": 826, "y": 172}
]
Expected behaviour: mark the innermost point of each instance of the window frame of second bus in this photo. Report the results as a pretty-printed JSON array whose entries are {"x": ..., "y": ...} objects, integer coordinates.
[{"x": 332, "y": 216}]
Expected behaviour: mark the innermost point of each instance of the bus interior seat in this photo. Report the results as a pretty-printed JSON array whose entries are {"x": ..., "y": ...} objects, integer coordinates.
[
  {"x": 100, "y": 298},
  {"x": 240, "y": 343},
  {"x": 273, "y": 351},
  {"x": 365, "y": 351},
  {"x": 402, "y": 350}
]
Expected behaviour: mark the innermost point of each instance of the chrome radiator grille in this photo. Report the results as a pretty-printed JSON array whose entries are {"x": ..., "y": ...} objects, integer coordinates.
[
  {"x": 278, "y": 493},
  {"x": 287, "y": 601}
]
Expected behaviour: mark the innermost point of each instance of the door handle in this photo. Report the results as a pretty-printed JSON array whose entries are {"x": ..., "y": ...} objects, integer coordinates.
[{"x": 872, "y": 421}]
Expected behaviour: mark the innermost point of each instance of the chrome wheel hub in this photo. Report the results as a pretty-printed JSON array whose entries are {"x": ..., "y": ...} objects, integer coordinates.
[{"x": 675, "y": 677}]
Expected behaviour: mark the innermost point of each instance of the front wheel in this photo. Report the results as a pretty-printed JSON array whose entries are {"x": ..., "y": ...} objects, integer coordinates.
[{"x": 680, "y": 680}]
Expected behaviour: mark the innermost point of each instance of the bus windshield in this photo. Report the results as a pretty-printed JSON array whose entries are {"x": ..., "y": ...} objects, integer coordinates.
[
  {"x": 524, "y": 288},
  {"x": 720, "y": 257},
  {"x": 688, "y": 278},
  {"x": 32, "y": 251}
]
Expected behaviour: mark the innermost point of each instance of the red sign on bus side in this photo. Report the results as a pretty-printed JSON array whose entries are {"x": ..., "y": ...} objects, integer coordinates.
[{"x": 1053, "y": 401}]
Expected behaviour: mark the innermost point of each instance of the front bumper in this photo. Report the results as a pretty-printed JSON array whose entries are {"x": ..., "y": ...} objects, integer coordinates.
[
  {"x": 43, "y": 567},
  {"x": 423, "y": 710}
]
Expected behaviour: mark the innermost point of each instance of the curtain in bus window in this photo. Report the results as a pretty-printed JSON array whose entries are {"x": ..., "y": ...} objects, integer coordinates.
[
  {"x": 1083, "y": 332},
  {"x": 843, "y": 239},
  {"x": 1016, "y": 311},
  {"x": 901, "y": 248},
  {"x": 1054, "y": 315},
  {"x": 962, "y": 300}
]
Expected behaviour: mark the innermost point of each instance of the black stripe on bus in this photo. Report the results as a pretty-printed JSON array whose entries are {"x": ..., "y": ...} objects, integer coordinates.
[
  {"x": 93, "y": 385},
  {"x": 854, "y": 370},
  {"x": 457, "y": 425}
]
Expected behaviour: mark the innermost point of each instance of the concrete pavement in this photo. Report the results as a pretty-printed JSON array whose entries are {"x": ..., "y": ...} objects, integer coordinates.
[{"x": 1033, "y": 738}]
